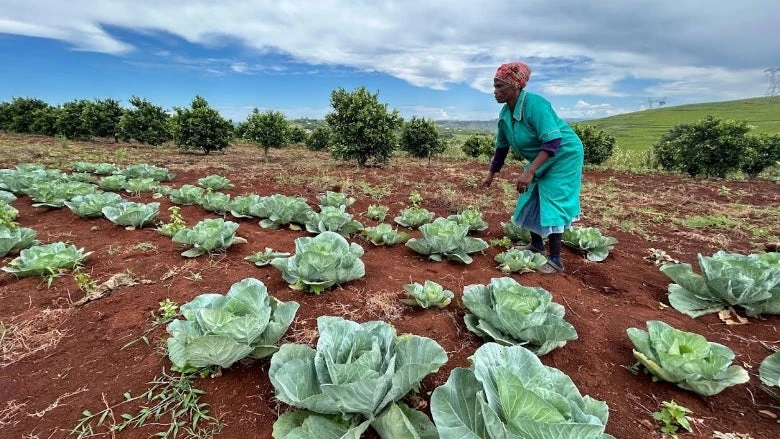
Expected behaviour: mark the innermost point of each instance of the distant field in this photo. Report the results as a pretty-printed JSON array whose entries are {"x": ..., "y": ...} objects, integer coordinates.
[{"x": 637, "y": 132}]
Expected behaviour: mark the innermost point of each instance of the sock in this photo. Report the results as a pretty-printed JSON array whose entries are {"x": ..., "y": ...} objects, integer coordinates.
[
  {"x": 537, "y": 241},
  {"x": 555, "y": 247}
]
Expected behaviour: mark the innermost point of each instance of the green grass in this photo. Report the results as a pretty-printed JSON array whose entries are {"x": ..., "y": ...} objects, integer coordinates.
[{"x": 637, "y": 132}]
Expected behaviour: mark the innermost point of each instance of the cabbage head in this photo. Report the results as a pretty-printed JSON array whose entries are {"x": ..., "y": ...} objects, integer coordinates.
[
  {"x": 510, "y": 314},
  {"x": 384, "y": 234},
  {"x": 445, "y": 239},
  {"x": 357, "y": 371},
  {"x": 685, "y": 358},
  {"x": 219, "y": 330},
  {"x": 590, "y": 240},
  {"x": 749, "y": 281},
  {"x": 321, "y": 262},
  {"x": 91, "y": 205},
  {"x": 131, "y": 214},
  {"x": 333, "y": 219},
  {"x": 508, "y": 393},
  {"x": 46, "y": 260},
  {"x": 208, "y": 236},
  {"x": 278, "y": 210},
  {"x": 519, "y": 261},
  {"x": 769, "y": 372},
  {"x": 13, "y": 239}
]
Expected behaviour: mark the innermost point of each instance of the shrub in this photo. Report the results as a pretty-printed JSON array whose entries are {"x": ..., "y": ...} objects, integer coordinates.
[
  {"x": 267, "y": 129},
  {"x": 421, "y": 139},
  {"x": 709, "y": 147},
  {"x": 478, "y": 144},
  {"x": 200, "y": 127},
  {"x": 44, "y": 121},
  {"x": 363, "y": 128},
  {"x": 101, "y": 118},
  {"x": 319, "y": 138},
  {"x": 70, "y": 122},
  {"x": 17, "y": 116},
  {"x": 598, "y": 144},
  {"x": 761, "y": 152},
  {"x": 296, "y": 134},
  {"x": 146, "y": 123}
]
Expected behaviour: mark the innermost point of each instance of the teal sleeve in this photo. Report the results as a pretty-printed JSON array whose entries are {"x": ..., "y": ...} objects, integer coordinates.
[
  {"x": 544, "y": 121},
  {"x": 501, "y": 140}
]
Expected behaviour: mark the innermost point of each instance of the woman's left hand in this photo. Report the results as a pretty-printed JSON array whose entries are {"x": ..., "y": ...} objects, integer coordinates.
[{"x": 525, "y": 179}]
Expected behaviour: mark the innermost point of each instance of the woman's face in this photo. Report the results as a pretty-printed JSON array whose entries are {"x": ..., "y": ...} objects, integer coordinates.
[{"x": 504, "y": 92}]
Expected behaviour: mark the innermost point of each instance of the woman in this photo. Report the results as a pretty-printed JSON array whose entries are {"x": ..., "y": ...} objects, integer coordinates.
[{"x": 550, "y": 184}]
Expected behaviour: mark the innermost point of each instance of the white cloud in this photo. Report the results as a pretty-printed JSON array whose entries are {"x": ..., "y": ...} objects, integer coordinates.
[{"x": 689, "y": 49}]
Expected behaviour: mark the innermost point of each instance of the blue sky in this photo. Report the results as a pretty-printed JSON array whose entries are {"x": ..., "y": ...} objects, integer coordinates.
[{"x": 433, "y": 59}]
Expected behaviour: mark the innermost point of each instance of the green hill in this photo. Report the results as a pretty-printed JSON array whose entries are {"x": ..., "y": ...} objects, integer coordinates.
[{"x": 637, "y": 132}]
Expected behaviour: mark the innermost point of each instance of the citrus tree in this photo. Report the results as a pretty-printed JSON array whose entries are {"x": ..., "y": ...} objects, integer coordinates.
[
  {"x": 145, "y": 122},
  {"x": 268, "y": 129},
  {"x": 421, "y": 139},
  {"x": 200, "y": 127},
  {"x": 362, "y": 127}
]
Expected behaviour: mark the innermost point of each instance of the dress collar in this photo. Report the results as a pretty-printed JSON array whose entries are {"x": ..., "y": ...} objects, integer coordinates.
[{"x": 518, "y": 114}]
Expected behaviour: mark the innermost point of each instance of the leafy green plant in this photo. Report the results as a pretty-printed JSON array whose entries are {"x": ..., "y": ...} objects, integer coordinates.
[
  {"x": 590, "y": 240},
  {"x": 105, "y": 168},
  {"x": 145, "y": 122},
  {"x": 263, "y": 258},
  {"x": 516, "y": 233},
  {"x": 91, "y": 205},
  {"x": 508, "y": 393},
  {"x": 504, "y": 242},
  {"x": 769, "y": 373},
  {"x": 174, "y": 224},
  {"x": 137, "y": 186},
  {"x": 383, "y": 234},
  {"x": 376, "y": 212},
  {"x": 84, "y": 281},
  {"x": 508, "y": 313},
  {"x": 321, "y": 262},
  {"x": 333, "y": 219},
  {"x": 207, "y": 236},
  {"x": 477, "y": 145},
  {"x": 131, "y": 214},
  {"x": 6, "y": 197},
  {"x": 216, "y": 202},
  {"x": 219, "y": 330},
  {"x": 215, "y": 182},
  {"x": 145, "y": 170},
  {"x": 46, "y": 260},
  {"x": 187, "y": 194},
  {"x": 241, "y": 206},
  {"x": 55, "y": 194},
  {"x": 171, "y": 402},
  {"x": 14, "y": 239},
  {"x": 519, "y": 261},
  {"x": 421, "y": 139},
  {"x": 335, "y": 199},
  {"x": 685, "y": 358},
  {"x": 413, "y": 217},
  {"x": 362, "y": 128},
  {"x": 112, "y": 182},
  {"x": 200, "y": 127},
  {"x": 319, "y": 138},
  {"x": 268, "y": 129},
  {"x": 278, "y": 210},
  {"x": 672, "y": 417},
  {"x": 8, "y": 214},
  {"x": 358, "y": 371},
  {"x": 471, "y": 217},
  {"x": 427, "y": 295},
  {"x": 415, "y": 199},
  {"x": 728, "y": 279},
  {"x": 598, "y": 144},
  {"x": 445, "y": 239}
]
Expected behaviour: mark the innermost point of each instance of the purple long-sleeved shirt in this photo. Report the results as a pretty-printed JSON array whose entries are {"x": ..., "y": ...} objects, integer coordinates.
[{"x": 500, "y": 155}]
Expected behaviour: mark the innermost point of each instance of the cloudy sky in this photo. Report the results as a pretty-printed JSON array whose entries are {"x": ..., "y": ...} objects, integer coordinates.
[{"x": 433, "y": 59}]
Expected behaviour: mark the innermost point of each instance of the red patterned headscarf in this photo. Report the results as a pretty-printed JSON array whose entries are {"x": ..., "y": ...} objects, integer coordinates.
[{"x": 515, "y": 73}]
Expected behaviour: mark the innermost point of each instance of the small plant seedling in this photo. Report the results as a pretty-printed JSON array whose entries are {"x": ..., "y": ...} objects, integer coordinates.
[
  {"x": 501, "y": 242},
  {"x": 415, "y": 198},
  {"x": 168, "y": 311},
  {"x": 175, "y": 224},
  {"x": 85, "y": 282},
  {"x": 672, "y": 416}
]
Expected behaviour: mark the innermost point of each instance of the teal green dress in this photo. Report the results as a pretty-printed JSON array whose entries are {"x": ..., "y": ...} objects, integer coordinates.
[{"x": 552, "y": 200}]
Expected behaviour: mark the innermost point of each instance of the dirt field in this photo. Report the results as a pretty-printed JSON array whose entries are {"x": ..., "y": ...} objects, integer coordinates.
[{"x": 71, "y": 359}]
